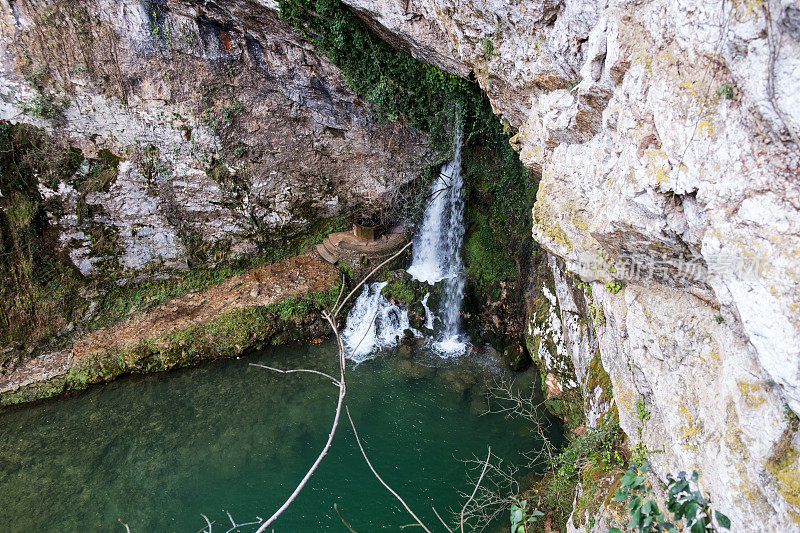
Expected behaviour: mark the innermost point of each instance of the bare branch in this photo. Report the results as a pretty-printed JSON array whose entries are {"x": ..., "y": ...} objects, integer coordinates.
[
  {"x": 478, "y": 484},
  {"x": 310, "y": 371},
  {"x": 360, "y": 283},
  {"x": 209, "y": 522},
  {"x": 341, "y": 291},
  {"x": 364, "y": 336},
  {"x": 369, "y": 464},
  {"x": 494, "y": 494},
  {"x": 348, "y": 526},
  {"x": 127, "y": 529},
  {"x": 342, "y": 384},
  {"x": 441, "y": 520},
  {"x": 342, "y": 392}
]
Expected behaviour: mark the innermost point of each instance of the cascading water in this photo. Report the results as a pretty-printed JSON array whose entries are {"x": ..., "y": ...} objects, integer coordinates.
[
  {"x": 437, "y": 249},
  {"x": 375, "y": 323}
]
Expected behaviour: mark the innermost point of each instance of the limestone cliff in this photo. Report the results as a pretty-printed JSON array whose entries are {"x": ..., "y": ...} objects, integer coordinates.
[
  {"x": 231, "y": 132},
  {"x": 666, "y": 134}
]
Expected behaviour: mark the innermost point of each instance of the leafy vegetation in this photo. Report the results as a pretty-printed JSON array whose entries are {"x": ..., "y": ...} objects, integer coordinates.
[
  {"x": 587, "y": 459},
  {"x": 38, "y": 287},
  {"x": 687, "y": 505},
  {"x": 500, "y": 190},
  {"x": 226, "y": 336},
  {"x": 523, "y": 516}
]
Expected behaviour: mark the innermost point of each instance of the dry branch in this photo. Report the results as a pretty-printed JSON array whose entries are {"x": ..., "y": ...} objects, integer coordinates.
[{"x": 369, "y": 464}]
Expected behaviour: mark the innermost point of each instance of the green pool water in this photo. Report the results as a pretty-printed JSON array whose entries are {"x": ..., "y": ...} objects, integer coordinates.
[{"x": 158, "y": 451}]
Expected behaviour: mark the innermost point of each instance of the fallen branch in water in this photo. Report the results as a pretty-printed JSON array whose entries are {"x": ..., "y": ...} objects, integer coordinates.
[
  {"x": 331, "y": 318},
  {"x": 369, "y": 464},
  {"x": 310, "y": 371},
  {"x": 477, "y": 484}
]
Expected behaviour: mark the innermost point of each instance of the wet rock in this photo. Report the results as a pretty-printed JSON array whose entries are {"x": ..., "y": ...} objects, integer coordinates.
[
  {"x": 412, "y": 370},
  {"x": 516, "y": 356}
]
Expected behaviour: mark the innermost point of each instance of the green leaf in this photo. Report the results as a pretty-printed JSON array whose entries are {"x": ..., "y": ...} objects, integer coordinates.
[
  {"x": 699, "y": 526},
  {"x": 690, "y": 509},
  {"x": 723, "y": 520},
  {"x": 614, "y": 530},
  {"x": 620, "y": 496},
  {"x": 628, "y": 478},
  {"x": 516, "y": 515}
]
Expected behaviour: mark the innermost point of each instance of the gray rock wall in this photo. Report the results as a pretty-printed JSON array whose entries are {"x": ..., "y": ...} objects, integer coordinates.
[
  {"x": 232, "y": 131},
  {"x": 667, "y": 137}
]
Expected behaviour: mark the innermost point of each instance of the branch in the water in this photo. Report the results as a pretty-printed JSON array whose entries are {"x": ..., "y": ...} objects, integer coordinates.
[
  {"x": 397, "y": 496},
  {"x": 292, "y": 371},
  {"x": 478, "y": 484},
  {"x": 441, "y": 519},
  {"x": 341, "y": 383},
  {"x": 347, "y": 525}
]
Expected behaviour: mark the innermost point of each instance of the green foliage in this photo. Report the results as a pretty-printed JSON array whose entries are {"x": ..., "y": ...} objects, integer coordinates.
[
  {"x": 523, "y": 516},
  {"x": 687, "y": 505},
  {"x": 586, "y": 459},
  {"x": 486, "y": 261},
  {"x": 220, "y": 107},
  {"x": 38, "y": 288},
  {"x": 398, "y": 86},
  {"x": 500, "y": 194},
  {"x": 642, "y": 412},
  {"x": 789, "y": 415},
  {"x": 488, "y": 48},
  {"x": 725, "y": 91},
  {"x": 614, "y": 286},
  {"x": 44, "y": 104}
]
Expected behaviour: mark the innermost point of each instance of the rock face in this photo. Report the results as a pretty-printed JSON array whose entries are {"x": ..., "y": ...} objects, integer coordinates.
[
  {"x": 231, "y": 132},
  {"x": 666, "y": 134}
]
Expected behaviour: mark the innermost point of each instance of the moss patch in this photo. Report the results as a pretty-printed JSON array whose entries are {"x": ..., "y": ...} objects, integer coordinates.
[
  {"x": 39, "y": 288},
  {"x": 229, "y": 335}
]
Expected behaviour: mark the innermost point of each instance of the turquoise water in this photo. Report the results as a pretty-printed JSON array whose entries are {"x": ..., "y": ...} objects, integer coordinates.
[{"x": 158, "y": 451}]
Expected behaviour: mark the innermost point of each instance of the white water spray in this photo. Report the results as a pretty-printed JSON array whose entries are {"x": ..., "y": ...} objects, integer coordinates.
[
  {"x": 373, "y": 323},
  {"x": 437, "y": 249}
]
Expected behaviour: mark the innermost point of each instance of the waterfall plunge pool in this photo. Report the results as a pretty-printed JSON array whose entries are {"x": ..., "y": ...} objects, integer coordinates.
[{"x": 157, "y": 451}]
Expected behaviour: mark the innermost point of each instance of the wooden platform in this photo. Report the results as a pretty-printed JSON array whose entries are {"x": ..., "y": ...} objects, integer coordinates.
[{"x": 336, "y": 245}]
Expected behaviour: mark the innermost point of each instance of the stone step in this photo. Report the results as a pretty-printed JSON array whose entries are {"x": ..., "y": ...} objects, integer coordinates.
[
  {"x": 326, "y": 255},
  {"x": 329, "y": 246}
]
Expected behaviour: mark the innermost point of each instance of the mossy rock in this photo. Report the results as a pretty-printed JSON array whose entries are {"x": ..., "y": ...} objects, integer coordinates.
[
  {"x": 516, "y": 356},
  {"x": 403, "y": 290}
]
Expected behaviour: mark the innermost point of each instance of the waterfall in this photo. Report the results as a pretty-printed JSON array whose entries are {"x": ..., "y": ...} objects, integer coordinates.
[
  {"x": 373, "y": 323},
  {"x": 436, "y": 255}
]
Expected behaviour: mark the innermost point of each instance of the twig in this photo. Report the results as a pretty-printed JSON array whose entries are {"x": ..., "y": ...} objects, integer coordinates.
[
  {"x": 348, "y": 526},
  {"x": 339, "y": 307},
  {"x": 342, "y": 392},
  {"x": 441, "y": 520},
  {"x": 341, "y": 291},
  {"x": 369, "y": 464},
  {"x": 310, "y": 371},
  {"x": 478, "y": 484},
  {"x": 209, "y": 522},
  {"x": 366, "y": 332},
  {"x": 125, "y": 525}
]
